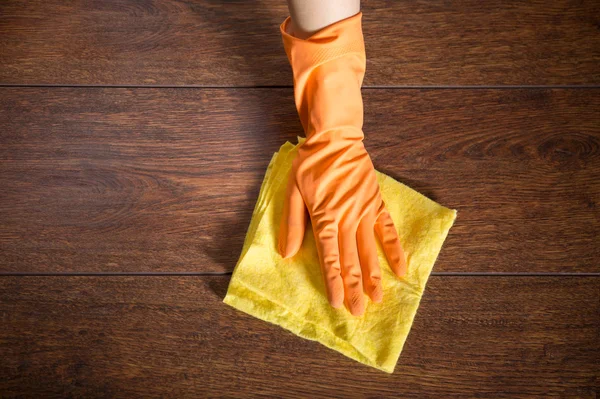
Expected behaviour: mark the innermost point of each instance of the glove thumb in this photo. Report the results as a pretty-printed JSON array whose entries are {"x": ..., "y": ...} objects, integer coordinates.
[{"x": 293, "y": 221}]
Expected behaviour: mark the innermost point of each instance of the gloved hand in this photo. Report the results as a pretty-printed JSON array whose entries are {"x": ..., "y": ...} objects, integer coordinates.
[{"x": 333, "y": 176}]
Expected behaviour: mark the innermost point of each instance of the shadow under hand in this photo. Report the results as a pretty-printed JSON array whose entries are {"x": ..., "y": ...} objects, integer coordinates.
[
  {"x": 417, "y": 185},
  {"x": 219, "y": 286},
  {"x": 257, "y": 68}
]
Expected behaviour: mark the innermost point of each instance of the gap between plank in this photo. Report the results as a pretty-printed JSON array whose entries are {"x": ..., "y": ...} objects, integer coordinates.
[
  {"x": 217, "y": 274},
  {"x": 375, "y": 87}
]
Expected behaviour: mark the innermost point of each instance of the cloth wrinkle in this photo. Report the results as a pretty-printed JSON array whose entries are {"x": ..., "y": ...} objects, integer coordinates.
[{"x": 299, "y": 316}]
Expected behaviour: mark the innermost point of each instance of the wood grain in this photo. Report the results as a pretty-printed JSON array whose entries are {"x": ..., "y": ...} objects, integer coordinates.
[
  {"x": 173, "y": 337},
  {"x": 150, "y": 180},
  {"x": 133, "y": 180},
  {"x": 208, "y": 42}
]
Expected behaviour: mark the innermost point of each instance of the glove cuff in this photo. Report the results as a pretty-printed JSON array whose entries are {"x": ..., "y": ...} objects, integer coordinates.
[
  {"x": 336, "y": 40},
  {"x": 328, "y": 68}
]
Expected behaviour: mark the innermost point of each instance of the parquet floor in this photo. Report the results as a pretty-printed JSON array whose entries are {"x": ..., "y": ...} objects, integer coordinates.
[{"x": 133, "y": 139}]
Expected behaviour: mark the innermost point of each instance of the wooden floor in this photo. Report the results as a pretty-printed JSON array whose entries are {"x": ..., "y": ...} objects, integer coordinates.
[{"x": 133, "y": 139}]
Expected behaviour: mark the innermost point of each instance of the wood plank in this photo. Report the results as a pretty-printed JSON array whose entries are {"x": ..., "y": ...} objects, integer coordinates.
[
  {"x": 205, "y": 42},
  {"x": 133, "y": 180},
  {"x": 520, "y": 166},
  {"x": 173, "y": 337}
]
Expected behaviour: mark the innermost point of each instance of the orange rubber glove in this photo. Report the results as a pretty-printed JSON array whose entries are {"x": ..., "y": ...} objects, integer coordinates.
[{"x": 333, "y": 176}]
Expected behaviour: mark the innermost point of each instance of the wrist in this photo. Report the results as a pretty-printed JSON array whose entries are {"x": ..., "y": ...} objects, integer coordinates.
[{"x": 339, "y": 137}]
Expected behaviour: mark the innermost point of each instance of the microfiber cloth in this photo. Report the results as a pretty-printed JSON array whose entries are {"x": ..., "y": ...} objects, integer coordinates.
[{"x": 291, "y": 292}]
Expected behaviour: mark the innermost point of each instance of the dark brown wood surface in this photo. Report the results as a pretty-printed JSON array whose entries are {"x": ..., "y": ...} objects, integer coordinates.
[
  {"x": 149, "y": 191},
  {"x": 138, "y": 180},
  {"x": 208, "y": 42},
  {"x": 172, "y": 337}
]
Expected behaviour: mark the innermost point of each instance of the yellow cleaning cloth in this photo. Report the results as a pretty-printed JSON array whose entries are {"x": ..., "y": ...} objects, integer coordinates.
[{"x": 291, "y": 292}]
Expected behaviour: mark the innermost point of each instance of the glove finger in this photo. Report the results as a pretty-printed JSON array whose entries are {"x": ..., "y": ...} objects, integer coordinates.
[
  {"x": 293, "y": 222},
  {"x": 329, "y": 258},
  {"x": 388, "y": 236},
  {"x": 351, "y": 273},
  {"x": 369, "y": 263}
]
